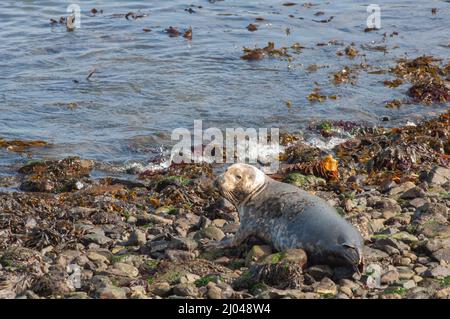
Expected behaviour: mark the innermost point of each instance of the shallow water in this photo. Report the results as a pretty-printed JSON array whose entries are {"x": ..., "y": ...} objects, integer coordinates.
[{"x": 148, "y": 83}]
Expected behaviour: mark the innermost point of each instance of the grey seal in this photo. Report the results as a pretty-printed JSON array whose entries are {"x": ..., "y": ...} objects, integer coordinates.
[{"x": 288, "y": 217}]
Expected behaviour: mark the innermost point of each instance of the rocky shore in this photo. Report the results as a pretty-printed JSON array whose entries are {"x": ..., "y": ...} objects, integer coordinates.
[{"x": 66, "y": 235}]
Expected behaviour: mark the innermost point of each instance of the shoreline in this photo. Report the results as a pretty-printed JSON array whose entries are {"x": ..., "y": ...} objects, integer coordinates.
[{"x": 112, "y": 238}]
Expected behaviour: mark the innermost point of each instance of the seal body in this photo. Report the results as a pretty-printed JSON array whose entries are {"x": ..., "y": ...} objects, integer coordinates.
[{"x": 288, "y": 217}]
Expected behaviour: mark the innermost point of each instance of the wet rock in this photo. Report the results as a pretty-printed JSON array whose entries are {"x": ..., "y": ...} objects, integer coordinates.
[
  {"x": 186, "y": 290},
  {"x": 55, "y": 176}
]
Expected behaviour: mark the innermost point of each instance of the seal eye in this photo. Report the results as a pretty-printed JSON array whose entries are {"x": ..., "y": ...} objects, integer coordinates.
[{"x": 238, "y": 176}]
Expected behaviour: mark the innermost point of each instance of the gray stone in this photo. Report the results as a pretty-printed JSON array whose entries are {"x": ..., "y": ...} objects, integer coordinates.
[
  {"x": 390, "y": 277},
  {"x": 126, "y": 270},
  {"x": 438, "y": 272},
  {"x": 396, "y": 191},
  {"x": 179, "y": 255},
  {"x": 137, "y": 238},
  {"x": 256, "y": 253},
  {"x": 213, "y": 232},
  {"x": 413, "y": 193},
  {"x": 388, "y": 205},
  {"x": 186, "y": 290},
  {"x": 371, "y": 254},
  {"x": 442, "y": 255},
  {"x": 214, "y": 292},
  {"x": 111, "y": 292},
  {"x": 326, "y": 287},
  {"x": 431, "y": 212},
  {"x": 405, "y": 272},
  {"x": 96, "y": 238},
  {"x": 438, "y": 176},
  {"x": 418, "y": 202},
  {"x": 184, "y": 243},
  {"x": 97, "y": 257},
  {"x": 162, "y": 289},
  {"x": 408, "y": 284}
]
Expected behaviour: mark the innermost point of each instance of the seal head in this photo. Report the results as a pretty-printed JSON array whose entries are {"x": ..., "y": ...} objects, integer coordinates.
[{"x": 240, "y": 182}]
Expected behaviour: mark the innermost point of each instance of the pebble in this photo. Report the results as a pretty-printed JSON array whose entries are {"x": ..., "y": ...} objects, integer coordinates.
[
  {"x": 256, "y": 253},
  {"x": 96, "y": 257},
  {"x": 326, "y": 287},
  {"x": 438, "y": 272},
  {"x": 162, "y": 289},
  {"x": 214, "y": 292},
  {"x": 96, "y": 238},
  {"x": 408, "y": 284},
  {"x": 390, "y": 277},
  {"x": 111, "y": 292},
  {"x": 186, "y": 290},
  {"x": 405, "y": 272},
  {"x": 123, "y": 269},
  {"x": 137, "y": 238},
  {"x": 213, "y": 232}
]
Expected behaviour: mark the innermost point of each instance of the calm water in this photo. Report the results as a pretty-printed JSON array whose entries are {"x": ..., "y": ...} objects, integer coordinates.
[{"x": 148, "y": 83}]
